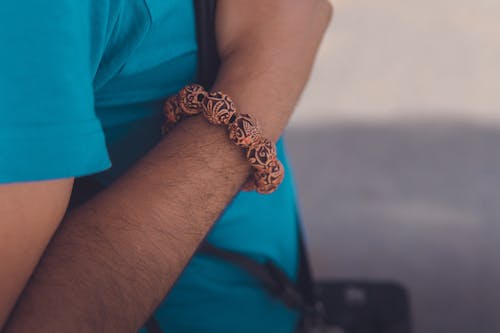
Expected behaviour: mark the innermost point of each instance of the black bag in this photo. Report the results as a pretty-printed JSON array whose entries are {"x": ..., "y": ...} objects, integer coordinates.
[{"x": 364, "y": 307}]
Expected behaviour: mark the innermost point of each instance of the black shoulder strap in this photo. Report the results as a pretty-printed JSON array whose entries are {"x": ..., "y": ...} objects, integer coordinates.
[
  {"x": 300, "y": 296},
  {"x": 208, "y": 55},
  {"x": 313, "y": 313},
  {"x": 270, "y": 276}
]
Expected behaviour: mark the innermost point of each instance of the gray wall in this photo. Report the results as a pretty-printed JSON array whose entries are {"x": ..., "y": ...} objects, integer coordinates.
[{"x": 396, "y": 150}]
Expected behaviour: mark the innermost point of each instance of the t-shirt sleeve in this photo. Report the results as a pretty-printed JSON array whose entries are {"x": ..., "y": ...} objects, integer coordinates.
[{"x": 48, "y": 125}]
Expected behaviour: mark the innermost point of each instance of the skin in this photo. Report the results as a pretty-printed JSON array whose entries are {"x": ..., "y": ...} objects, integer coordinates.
[{"x": 113, "y": 259}]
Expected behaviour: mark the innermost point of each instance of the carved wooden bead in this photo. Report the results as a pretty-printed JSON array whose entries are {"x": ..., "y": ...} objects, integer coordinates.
[
  {"x": 171, "y": 110},
  {"x": 190, "y": 99},
  {"x": 244, "y": 131},
  {"x": 261, "y": 153},
  {"x": 172, "y": 113},
  {"x": 218, "y": 108},
  {"x": 268, "y": 180}
]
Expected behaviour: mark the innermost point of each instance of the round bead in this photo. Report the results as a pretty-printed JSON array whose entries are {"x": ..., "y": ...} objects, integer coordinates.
[
  {"x": 218, "y": 108},
  {"x": 244, "y": 131},
  {"x": 267, "y": 181},
  {"x": 261, "y": 153},
  {"x": 191, "y": 98},
  {"x": 171, "y": 110}
]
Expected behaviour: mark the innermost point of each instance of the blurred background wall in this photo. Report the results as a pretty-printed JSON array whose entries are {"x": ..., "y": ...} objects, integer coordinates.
[{"x": 396, "y": 148}]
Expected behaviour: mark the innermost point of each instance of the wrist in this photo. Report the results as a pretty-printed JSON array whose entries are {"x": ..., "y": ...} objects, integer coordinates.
[
  {"x": 243, "y": 130},
  {"x": 211, "y": 144}
]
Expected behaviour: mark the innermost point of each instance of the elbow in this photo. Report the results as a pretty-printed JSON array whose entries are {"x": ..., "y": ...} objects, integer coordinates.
[
  {"x": 327, "y": 9},
  {"x": 316, "y": 14},
  {"x": 320, "y": 11}
]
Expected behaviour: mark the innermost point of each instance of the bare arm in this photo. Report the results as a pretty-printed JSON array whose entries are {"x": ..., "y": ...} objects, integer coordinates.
[
  {"x": 29, "y": 215},
  {"x": 114, "y": 258}
]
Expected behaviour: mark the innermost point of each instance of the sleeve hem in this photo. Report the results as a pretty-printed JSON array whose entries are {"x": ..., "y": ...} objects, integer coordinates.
[{"x": 52, "y": 156}]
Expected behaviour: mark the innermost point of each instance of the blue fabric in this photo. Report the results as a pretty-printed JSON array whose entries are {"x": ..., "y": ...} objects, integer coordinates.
[{"x": 81, "y": 87}]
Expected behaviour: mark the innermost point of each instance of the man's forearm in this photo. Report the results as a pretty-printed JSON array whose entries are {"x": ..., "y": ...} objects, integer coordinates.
[{"x": 114, "y": 258}]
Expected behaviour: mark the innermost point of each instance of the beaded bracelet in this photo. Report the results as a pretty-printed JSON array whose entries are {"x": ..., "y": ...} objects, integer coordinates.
[{"x": 219, "y": 109}]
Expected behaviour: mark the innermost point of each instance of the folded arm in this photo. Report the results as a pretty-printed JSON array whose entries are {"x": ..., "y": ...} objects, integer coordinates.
[{"x": 113, "y": 259}]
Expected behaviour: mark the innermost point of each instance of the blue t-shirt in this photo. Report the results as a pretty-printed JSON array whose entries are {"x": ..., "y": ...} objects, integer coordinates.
[{"x": 81, "y": 89}]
